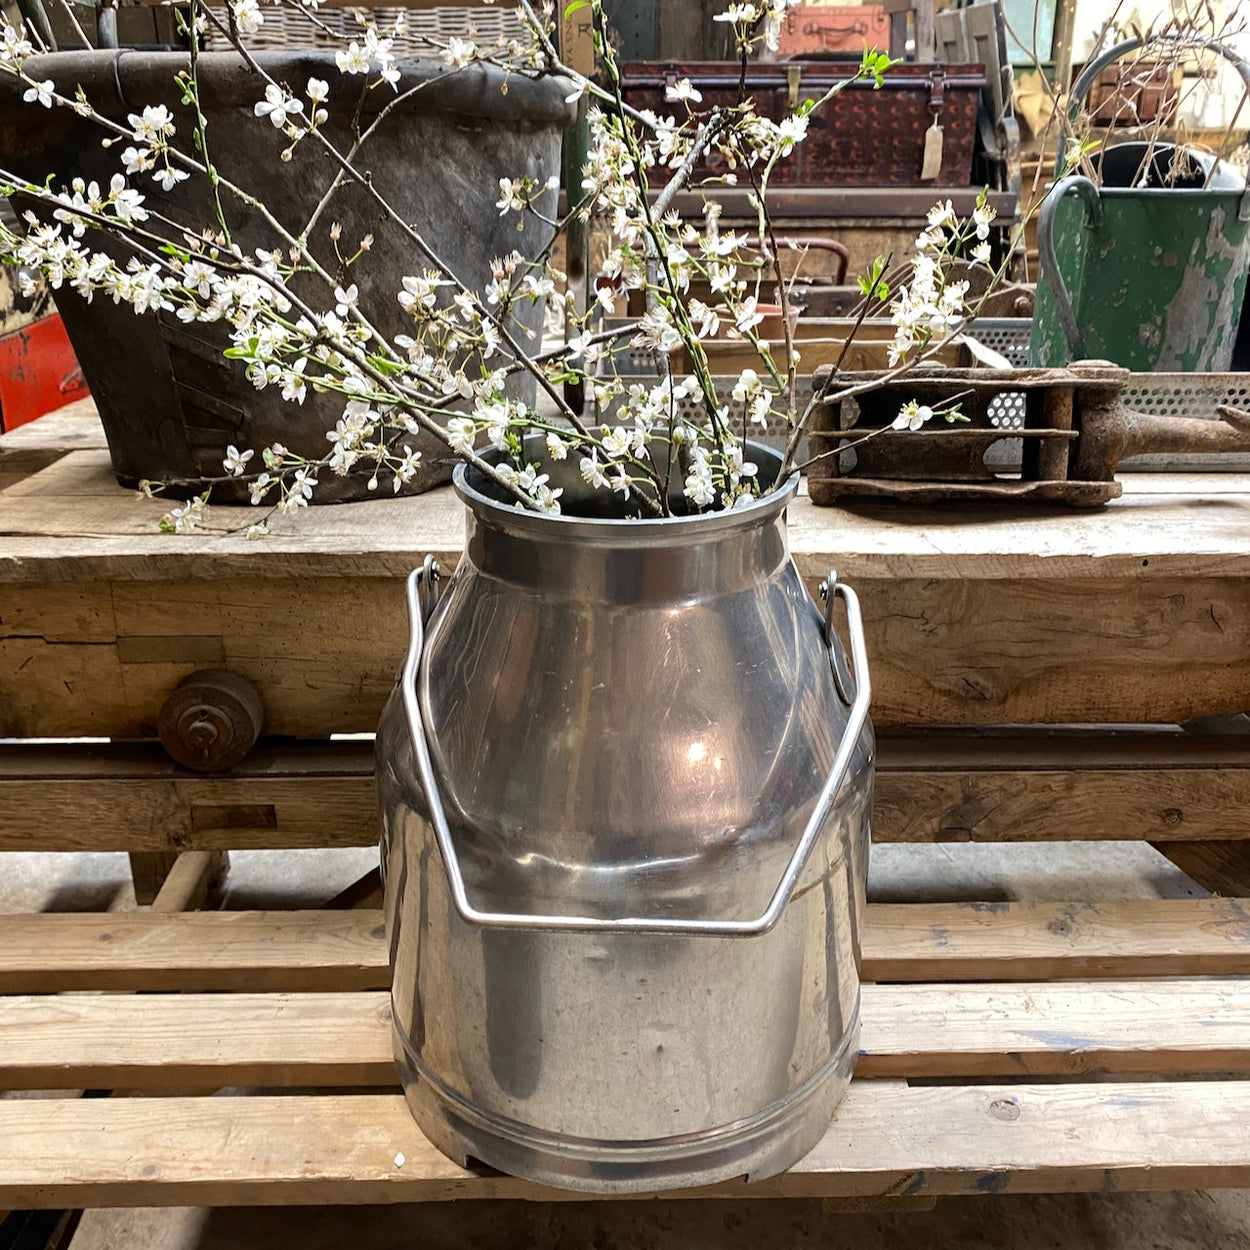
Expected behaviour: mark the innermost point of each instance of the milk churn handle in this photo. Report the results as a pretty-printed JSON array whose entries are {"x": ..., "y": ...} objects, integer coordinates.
[
  {"x": 643, "y": 924},
  {"x": 1051, "y": 276}
]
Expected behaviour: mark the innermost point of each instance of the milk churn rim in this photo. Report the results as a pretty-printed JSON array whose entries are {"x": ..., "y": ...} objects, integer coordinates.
[{"x": 618, "y": 529}]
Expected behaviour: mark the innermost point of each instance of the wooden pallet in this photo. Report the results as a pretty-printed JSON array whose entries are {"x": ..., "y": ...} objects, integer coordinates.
[{"x": 1006, "y": 1048}]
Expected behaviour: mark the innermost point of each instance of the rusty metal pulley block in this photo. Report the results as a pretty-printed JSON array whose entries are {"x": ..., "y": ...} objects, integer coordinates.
[{"x": 1071, "y": 423}]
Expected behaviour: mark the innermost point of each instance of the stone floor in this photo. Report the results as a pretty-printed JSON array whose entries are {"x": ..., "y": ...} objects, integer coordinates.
[{"x": 1169, "y": 1221}]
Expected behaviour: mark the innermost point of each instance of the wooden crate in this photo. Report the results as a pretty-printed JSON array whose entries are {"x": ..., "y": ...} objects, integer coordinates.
[{"x": 1007, "y": 1046}]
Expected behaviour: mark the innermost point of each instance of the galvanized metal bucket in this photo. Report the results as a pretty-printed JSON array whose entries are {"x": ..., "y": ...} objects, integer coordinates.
[
  {"x": 625, "y": 781},
  {"x": 1149, "y": 277}
]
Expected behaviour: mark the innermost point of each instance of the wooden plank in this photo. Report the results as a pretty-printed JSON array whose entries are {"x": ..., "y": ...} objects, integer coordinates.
[
  {"x": 340, "y": 1149},
  {"x": 1040, "y": 1029},
  {"x": 345, "y": 950},
  {"x": 937, "y": 786},
  {"x": 164, "y": 1042},
  {"x": 205, "y": 1041},
  {"x": 1043, "y": 941},
  {"x": 210, "y": 951},
  {"x": 949, "y": 651},
  {"x": 1148, "y": 533},
  {"x": 34, "y": 446},
  {"x": 1160, "y": 785},
  {"x": 132, "y": 797},
  {"x": 1221, "y": 867}
]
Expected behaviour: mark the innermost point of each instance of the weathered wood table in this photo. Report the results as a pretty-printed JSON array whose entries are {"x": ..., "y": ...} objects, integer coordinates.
[{"x": 984, "y": 1024}]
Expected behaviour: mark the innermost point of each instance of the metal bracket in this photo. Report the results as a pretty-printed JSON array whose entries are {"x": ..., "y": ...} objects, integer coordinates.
[{"x": 843, "y": 678}]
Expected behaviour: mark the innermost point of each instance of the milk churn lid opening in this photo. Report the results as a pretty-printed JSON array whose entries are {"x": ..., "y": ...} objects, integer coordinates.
[{"x": 584, "y": 506}]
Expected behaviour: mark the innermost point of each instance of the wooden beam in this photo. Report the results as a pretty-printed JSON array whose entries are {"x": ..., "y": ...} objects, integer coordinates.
[
  {"x": 1161, "y": 785},
  {"x": 191, "y": 879},
  {"x": 1221, "y": 867},
  {"x": 345, "y": 950},
  {"x": 1014, "y": 1138},
  {"x": 158, "y": 1042}
]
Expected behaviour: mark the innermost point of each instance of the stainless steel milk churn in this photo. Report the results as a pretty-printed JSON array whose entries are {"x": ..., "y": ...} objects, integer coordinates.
[{"x": 625, "y": 782}]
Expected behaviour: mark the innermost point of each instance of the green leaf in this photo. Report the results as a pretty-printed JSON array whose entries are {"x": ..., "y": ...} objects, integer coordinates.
[{"x": 573, "y": 8}]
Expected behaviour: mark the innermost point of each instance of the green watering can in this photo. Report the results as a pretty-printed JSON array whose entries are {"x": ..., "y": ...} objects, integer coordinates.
[{"x": 1149, "y": 277}]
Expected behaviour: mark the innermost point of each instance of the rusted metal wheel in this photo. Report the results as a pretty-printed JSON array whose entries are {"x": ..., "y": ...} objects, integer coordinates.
[{"x": 211, "y": 720}]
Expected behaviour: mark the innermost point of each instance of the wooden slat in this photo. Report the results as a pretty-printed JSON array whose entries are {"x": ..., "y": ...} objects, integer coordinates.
[
  {"x": 1165, "y": 786},
  {"x": 1040, "y": 1029},
  {"x": 1157, "y": 785},
  {"x": 320, "y": 951},
  {"x": 208, "y": 1041},
  {"x": 1044, "y": 941},
  {"x": 332, "y": 1149},
  {"x": 314, "y": 950},
  {"x": 134, "y": 798},
  {"x": 167, "y": 1042}
]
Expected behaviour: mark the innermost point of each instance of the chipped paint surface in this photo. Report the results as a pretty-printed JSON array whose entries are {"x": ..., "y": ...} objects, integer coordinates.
[{"x": 1158, "y": 286}]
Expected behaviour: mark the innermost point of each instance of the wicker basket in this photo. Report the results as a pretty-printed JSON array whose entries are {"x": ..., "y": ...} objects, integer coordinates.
[{"x": 422, "y": 28}]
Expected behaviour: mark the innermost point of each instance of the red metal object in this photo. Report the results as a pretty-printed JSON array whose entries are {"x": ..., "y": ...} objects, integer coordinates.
[
  {"x": 819, "y": 28},
  {"x": 38, "y": 372}
]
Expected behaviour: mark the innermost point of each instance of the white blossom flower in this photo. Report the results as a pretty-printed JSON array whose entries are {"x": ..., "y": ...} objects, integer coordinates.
[
  {"x": 15, "y": 45},
  {"x": 790, "y": 130},
  {"x": 346, "y": 298},
  {"x": 557, "y": 448},
  {"x": 183, "y": 520},
  {"x": 461, "y": 431},
  {"x": 912, "y": 416},
  {"x": 682, "y": 90},
  {"x": 699, "y": 487},
  {"x": 294, "y": 388},
  {"x": 420, "y": 292},
  {"x": 260, "y": 486},
  {"x": 352, "y": 60},
  {"x": 511, "y": 196},
  {"x": 318, "y": 90},
  {"x": 748, "y": 316},
  {"x": 235, "y": 462},
  {"x": 620, "y": 481},
  {"x": 169, "y": 177},
  {"x": 40, "y": 92},
  {"x": 248, "y": 15},
  {"x": 592, "y": 471},
  {"x": 127, "y": 202},
  {"x": 154, "y": 125},
  {"x": 459, "y": 52},
  {"x": 302, "y": 486},
  {"x": 406, "y": 469},
  {"x": 738, "y": 13},
  {"x": 278, "y": 106},
  {"x": 137, "y": 160},
  {"x": 941, "y": 215},
  {"x": 981, "y": 254}
]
